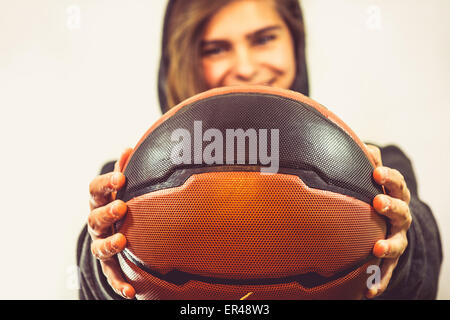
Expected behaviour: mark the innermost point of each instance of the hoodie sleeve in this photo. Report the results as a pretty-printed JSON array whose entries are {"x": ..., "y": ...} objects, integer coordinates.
[{"x": 417, "y": 273}]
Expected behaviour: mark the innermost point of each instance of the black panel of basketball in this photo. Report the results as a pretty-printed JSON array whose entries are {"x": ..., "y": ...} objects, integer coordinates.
[{"x": 340, "y": 162}]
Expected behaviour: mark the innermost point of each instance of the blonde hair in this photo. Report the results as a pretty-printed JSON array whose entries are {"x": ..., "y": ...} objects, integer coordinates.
[{"x": 186, "y": 24}]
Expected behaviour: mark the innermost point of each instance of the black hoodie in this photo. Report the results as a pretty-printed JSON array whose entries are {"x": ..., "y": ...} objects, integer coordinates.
[{"x": 417, "y": 273}]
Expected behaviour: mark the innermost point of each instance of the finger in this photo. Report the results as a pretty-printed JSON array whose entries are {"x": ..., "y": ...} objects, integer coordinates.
[
  {"x": 101, "y": 187},
  {"x": 395, "y": 209},
  {"x": 376, "y": 154},
  {"x": 104, "y": 249},
  {"x": 101, "y": 219},
  {"x": 111, "y": 271},
  {"x": 394, "y": 181},
  {"x": 386, "y": 274},
  {"x": 393, "y": 247},
  {"x": 120, "y": 164}
]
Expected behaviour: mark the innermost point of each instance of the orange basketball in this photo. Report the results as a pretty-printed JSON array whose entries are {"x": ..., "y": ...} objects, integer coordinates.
[{"x": 251, "y": 192}]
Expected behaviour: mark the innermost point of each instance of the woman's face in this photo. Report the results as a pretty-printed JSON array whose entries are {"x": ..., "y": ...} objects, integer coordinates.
[{"x": 245, "y": 43}]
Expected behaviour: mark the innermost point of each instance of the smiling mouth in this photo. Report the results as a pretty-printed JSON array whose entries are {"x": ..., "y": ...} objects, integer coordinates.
[{"x": 262, "y": 83}]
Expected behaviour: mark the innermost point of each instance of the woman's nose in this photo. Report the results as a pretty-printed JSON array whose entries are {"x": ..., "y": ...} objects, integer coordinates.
[{"x": 245, "y": 66}]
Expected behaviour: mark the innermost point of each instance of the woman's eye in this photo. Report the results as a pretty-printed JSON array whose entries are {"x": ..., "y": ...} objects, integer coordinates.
[
  {"x": 264, "y": 39},
  {"x": 212, "y": 51}
]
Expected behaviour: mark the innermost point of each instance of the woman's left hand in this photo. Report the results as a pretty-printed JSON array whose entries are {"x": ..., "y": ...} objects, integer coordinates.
[{"x": 395, "y": 206}]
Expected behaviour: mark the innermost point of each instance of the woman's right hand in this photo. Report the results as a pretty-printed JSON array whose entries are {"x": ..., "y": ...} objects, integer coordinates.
[{"x": 104, "y": 213}]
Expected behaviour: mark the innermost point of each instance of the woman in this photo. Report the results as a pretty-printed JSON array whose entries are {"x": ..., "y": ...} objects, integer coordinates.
[{"x": 209, "y": 44}]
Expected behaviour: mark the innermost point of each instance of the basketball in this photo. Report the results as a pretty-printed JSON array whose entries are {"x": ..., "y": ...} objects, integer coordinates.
[{"x": 249, "y": 193}]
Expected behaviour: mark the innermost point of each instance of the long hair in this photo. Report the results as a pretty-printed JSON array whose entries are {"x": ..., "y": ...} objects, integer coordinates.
[{"x": 181, "y": 75}]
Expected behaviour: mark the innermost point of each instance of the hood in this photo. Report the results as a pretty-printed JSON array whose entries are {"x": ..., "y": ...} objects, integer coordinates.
[{"x": 300, "y": 84}]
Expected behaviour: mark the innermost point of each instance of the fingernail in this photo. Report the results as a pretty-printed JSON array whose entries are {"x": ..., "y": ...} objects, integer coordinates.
[
  {"x": 121, "y": 292},
  {"x": 115, "y": 179},
  {"x": 115, "y": 209},
  {"x": 378, "y": 292},
  {"x": 371, "y": 293},
  {"x": 384, "y": 174},
  {"x": 124, "y": 294},
  {"x": 119, "y": 208},
  {"x": 115, "y": 242},
  {"x": 386, "y": 204},
  {"x": 380, "y": 249}
]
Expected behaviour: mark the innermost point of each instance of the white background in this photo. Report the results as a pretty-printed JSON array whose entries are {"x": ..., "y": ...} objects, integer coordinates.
[{"x": 75, "y": 90}]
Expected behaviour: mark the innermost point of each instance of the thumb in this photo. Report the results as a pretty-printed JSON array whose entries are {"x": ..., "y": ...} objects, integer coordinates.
[
  {"x": 120, "y": 164},
  {"x": 375, "y": 154}
]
